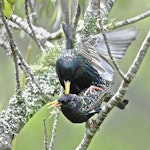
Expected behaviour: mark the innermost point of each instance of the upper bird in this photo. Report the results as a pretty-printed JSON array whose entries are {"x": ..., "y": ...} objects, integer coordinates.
[{"x": 87, "y": 64}]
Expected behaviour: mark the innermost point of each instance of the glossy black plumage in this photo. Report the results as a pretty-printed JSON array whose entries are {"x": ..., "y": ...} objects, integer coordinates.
[
  {"x": 87, "y": 64},
  {"x": 79, "y": 108},
  {"x": 73, "y": 67}
]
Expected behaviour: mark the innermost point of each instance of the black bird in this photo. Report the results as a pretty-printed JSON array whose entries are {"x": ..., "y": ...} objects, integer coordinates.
[
  {"x": 79, "y": 108},
  {"x": 87, "y": 64}
]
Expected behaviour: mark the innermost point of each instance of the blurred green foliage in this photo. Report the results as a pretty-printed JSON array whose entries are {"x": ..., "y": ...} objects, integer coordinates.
[
  {"x": 122, "y": 130},
  {"x": 8, "y": 7}
]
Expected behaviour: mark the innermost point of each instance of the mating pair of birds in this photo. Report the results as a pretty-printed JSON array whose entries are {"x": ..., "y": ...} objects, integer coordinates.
[{"x": 88, "y": 65}]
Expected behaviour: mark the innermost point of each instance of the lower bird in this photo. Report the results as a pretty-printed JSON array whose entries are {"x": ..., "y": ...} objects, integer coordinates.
[{"x": 79, "y": 108}]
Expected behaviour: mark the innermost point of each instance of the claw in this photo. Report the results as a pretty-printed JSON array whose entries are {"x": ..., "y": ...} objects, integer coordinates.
[{"x": 92, "y": 87}]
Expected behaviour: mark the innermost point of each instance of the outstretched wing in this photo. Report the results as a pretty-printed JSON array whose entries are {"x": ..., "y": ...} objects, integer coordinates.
[
  {"x": 95, "y": 51},
  {"x": 118, "y": 40}
]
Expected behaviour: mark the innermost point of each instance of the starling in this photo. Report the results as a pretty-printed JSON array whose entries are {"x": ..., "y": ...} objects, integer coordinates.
[
  {"x": 79, "y": 108},
  {"x": 87, "y": 64}
]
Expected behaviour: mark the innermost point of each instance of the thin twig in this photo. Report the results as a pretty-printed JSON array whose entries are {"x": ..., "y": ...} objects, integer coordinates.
[
  {"x": 52, "y": 141},
  {"x": 13, "y": 49},
  {"x": 76, "y": 19},
  {"x": 54, "y": 36},
  {"x": 29, "y": 23},
  {"x": 42, "y": 35},
  {"x": 45, "y": 135},
  {"x": 10, "y": 24},
  {"x": 51, "y": 145},
  {"x": 132, "y": 20},
  {"x": 139, "y": 58},
  {"x": 64, "y": 6},
  {"x": 107, "y": 45},
  {"x": 32, "y": 5}
]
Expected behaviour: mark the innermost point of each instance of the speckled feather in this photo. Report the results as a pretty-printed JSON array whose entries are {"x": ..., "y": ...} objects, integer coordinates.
[{"x": 79, "y": 108}]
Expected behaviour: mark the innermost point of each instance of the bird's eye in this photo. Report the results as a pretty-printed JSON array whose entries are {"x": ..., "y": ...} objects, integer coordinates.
[{"x": 64, "y": 102}]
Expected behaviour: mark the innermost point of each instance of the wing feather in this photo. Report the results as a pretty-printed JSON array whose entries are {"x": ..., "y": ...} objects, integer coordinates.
[
  {"x": 102, "y": 66},
  {"x": 119, "y": 40}
]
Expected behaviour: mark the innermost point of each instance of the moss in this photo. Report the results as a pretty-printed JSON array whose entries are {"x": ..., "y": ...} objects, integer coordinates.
[
  {"x": 49, "y": 57},
  {"x": 90, "y": 27},
  {"x": 110, "y": 24},
  {"x": 46, "y": 60}
]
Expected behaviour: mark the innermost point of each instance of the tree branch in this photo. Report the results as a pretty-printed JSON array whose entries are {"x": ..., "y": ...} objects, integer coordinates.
[
  {"x": 90, "y": 17},
  {"x": 76, "y": 20},
  {"x": 90, "y": 132},
  {"x": 51, "y": 145},
  {"x": 120, "y": 72},
  {"x": 45, "y": 135},
  {"x": 93, "y": 8},
  {"x": 4, "y": 42},
  {"x": 13, "y": 50},
  {"x": 30, "y": 25},
  {"x": 17, "y": 114},
  {"x": 42, "y": 35},
  {"x": 131, "y": 20}
]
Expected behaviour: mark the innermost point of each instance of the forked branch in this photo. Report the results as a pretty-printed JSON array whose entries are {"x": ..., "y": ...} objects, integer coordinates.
[{"x": 90, "y": 132}]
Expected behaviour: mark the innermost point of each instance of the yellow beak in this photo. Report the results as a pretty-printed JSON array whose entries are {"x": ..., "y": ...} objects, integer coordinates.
[
  {"x": 54, "y": 104},
  {"x": 67, "y": 87}
]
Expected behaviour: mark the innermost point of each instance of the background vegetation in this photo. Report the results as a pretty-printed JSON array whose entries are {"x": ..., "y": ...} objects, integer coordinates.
[{"x": 128, "y": 129}]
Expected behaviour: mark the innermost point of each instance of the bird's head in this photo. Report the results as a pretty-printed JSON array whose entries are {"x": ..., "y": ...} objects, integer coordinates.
[
  {"x": 69, "y": 101},
  {"x": 66, "y": 67}
]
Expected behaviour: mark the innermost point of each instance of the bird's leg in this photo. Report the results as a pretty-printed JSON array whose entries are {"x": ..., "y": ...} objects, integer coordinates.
[{"x": 92, "y": 87}]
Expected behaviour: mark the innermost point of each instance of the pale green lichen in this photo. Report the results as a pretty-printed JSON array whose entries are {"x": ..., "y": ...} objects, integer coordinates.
[
  {"x": 88, "y": 28},
  {"x": 49, "y": 57},
  {"x": 45, "y": 60},
  {"x": 18, "y": 112},
  {"x": 44, "y": 71},
  {"x": 111, "y": 23}
]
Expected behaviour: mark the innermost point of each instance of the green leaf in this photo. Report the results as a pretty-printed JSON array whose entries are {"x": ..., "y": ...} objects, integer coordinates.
[{"x": 8, "y": 7}]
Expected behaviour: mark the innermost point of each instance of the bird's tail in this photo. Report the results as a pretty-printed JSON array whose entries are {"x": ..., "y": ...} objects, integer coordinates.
[{"x": 121, "y": 105}]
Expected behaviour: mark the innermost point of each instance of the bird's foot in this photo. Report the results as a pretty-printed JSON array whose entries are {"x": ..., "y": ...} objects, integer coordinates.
[{"x": 92, "y": 87}]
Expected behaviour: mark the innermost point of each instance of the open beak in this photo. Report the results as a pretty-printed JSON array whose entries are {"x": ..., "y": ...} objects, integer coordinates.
[
  {"x": 67, "y": 87},
  {"x": 54, "y": 104}
]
